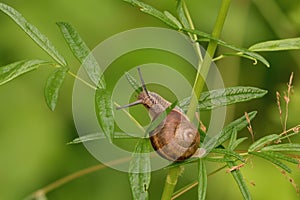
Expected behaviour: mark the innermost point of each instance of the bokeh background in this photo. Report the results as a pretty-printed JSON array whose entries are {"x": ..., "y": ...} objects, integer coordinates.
[{"x": 33, "y": 139}]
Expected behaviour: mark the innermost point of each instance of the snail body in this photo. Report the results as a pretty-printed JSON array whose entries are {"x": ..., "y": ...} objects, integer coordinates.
[{"x": 175, "y": 138}]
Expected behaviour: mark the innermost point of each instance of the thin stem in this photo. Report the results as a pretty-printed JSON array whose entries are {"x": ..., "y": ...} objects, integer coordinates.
[
  {"x": 205, "y": 65},
  {"x": 194, "y": 37},
  {"x": 194, "y": 184},
  {"x": 171, "y": 182},
  {"x": 174, "y": 173},
  {"x": 203, "y": 69},
  {"x": 75, "y": 76},
  {"x": 185, "y": 189},
  {"x": 295, "y": 131},
  {"x": 43, "y": 191},
  {"x": 218, "y": 58},
  {"x": 132, "y": 118},
  {"x": 83, "y": 81}
]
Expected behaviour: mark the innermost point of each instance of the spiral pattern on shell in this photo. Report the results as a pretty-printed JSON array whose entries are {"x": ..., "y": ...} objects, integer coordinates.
[{"x": 176, "y": 138}]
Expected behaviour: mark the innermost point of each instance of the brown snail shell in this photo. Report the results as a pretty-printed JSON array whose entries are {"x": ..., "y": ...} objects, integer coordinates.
[{"x": 175, "y": 138}]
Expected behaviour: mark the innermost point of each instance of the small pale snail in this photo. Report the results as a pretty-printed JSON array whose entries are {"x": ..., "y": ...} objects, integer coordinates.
[{"x": 175, "y": 138}]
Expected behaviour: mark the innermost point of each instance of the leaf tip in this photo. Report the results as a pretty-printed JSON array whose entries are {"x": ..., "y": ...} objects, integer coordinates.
[{"x": 50, "y": 104}]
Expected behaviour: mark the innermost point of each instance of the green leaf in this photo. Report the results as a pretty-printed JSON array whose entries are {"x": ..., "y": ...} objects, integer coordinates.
[
  {"x": 235, "y": 54},
  {"x": 156, "y": 122},
  {"x": 33, "y": 33},
  {"x": 140, "y": 171},
  {"x": 238, "y": 124},
  {"x": 238, "y": 177},
  {"x": 219, "y": 160},
  {"x": 263, "y": 141},
  {"x": 227, "y": 131},
  {"x": 156, "y": 13},
  {"x": 283, "y": 147},
  {"x": 152, "y": 11},
  {"x": 99, "y": 136},
  {"x": 13, "y": 70},
  {"x": 134, "y": 84},
  {"x": 232, "y": 140},
  {"x": 184, "y": 162},
  {"x": 272, "y": 158},
  {"x": 277, "y": 45},
  {"x": 247, "y": 52},
  {"x": 173, "y": 19},
  {"x": 104, "y": 112},
  {"x": 230, "y": 153},
  {"x": 53, "y": 85},
  {"x": 223, "y": 97},
  {"x": 238, "y": 142},
  {"x": 283, "y": 157},
  {"x": 181, "y": 14},
  {"x": 82, "y": 53},
  {"x": 202, "y": 180}
]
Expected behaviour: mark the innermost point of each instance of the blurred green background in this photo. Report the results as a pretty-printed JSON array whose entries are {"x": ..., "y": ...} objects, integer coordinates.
[{"x": 33, "y": 139}]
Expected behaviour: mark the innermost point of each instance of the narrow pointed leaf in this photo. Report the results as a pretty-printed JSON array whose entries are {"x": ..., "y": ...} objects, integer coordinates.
[
  {"x": 247, "y": 52},
  {"x": 227, "y": 131},
  {"x": 99, "y": 136},
  {"x": 263, "y": 141},
  {"x": 238, "y": 177},
  {"x": 53, "y": 85},
  {"x": 272, "y": 158},
  {"x": 146, "y": 8},
  {"x": 230, "y": 153},
  {"x": 224, "y": 55},
  {"x": 13, "y": 70},
  {"x": 140, "y": 171},
  {"x": 33, "y": 33},
  {"x": 173, "y": 19},
  {"x": 277, "y": 45},
  {"x": 154, "y": 12},
  {"x": 181, "y": 14},
  {"x": 232, "y": 140},
  {"x": 283, "y": 147},
  {"x": 220, "y": 160},
  {"x": 185, "y": 162},
  {"x": 104, "y": 112},
  {"x": 223, "y": 97},
  {"x": 134, "y": 84},
  {"x": 283, "y": 157},
  {"x": 82, "y": 53},
  {"x": 238, "y": 142},
  {"x": 202, "y": 180},
  {"x": 238, "y": 124}
]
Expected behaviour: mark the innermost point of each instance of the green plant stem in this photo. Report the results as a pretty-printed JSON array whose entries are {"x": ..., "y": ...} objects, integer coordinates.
[
  {"x": 171, "y": 182},
  {"x": 52, "y": 186},
  {"x": 83, "y": 81},
  {"x": 133, "y": 119},
  {"x": 194, "y": 184},
  {"x": 192, "y": 36},
  {"x": 202, "y": 72},
  {"x": 205, "y": 65}
]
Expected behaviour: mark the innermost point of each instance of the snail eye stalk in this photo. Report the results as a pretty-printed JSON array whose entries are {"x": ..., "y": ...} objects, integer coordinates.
[
  {"x": 143, "y": 82},
  {"x": 131, "y": 104}
]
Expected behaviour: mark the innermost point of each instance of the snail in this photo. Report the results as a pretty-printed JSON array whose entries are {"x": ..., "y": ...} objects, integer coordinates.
[{"x": 175, "y": 138}]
